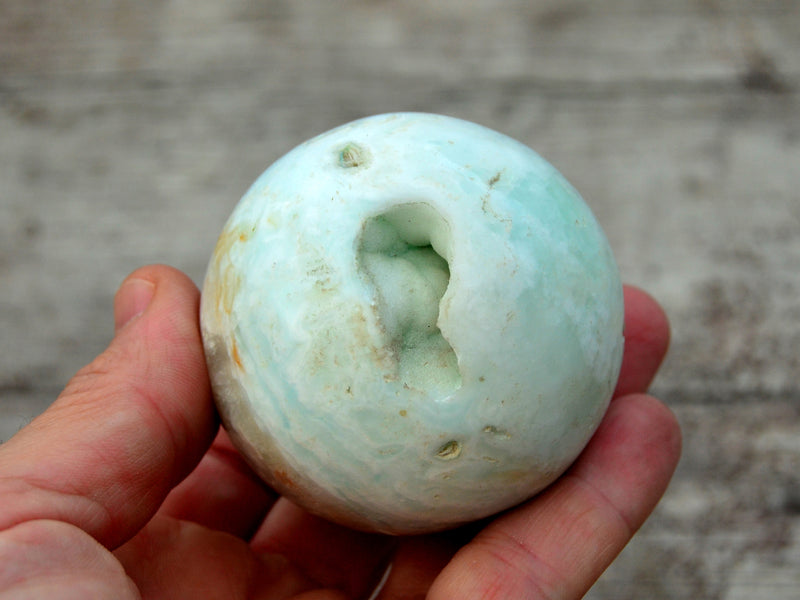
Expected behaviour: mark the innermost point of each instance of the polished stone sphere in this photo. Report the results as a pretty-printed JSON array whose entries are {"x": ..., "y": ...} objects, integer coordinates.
[{"x": 411, "y": 322}]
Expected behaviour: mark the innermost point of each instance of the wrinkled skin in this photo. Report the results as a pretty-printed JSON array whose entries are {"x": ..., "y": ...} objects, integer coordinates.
[{"x": 126, "y": 488}]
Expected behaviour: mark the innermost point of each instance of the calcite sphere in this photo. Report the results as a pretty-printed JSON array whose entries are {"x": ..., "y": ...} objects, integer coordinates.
[{"x": 411, "y": 322}]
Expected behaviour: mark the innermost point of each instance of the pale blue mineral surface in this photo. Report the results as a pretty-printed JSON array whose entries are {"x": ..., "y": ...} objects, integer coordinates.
[{"x": 411, "y": 322}]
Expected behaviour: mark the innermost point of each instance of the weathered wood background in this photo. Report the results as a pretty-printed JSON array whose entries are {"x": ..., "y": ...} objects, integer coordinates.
[{"x": 128, "y": 130}]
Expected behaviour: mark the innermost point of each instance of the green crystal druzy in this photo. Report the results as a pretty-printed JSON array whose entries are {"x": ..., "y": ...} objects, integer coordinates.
[{"x": 411, "y": 322}]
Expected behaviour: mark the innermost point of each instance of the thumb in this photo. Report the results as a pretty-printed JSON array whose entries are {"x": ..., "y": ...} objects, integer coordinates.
[{"x": 127, "y": 428}]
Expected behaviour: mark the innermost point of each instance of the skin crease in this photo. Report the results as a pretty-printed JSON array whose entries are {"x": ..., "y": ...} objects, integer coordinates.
[{"x": 125, "y": 488}]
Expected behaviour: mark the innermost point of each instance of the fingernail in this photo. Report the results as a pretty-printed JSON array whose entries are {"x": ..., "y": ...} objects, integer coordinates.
[{"x": 131, "y": 301}]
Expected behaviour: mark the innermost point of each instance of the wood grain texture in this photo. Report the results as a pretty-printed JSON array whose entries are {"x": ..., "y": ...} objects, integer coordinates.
[{"x": 128, "y": 131}]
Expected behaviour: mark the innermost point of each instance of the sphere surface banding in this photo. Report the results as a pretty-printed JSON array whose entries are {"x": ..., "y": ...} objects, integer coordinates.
[{"x": 411, "y": 322}]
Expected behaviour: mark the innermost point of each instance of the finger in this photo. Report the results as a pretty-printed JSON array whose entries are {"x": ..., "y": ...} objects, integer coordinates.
[
  {"x": 222, "y": 493},
  {"x": 51, "y": 559},
  {"x": 127, "y": 428},
  {"x": 179, "y": 560},
  {"x": 646, "y": 341},
  {"x": 334, "y": 556},
  {"x": 559, "y": 543},
  {"x": 415, "y": 564}
]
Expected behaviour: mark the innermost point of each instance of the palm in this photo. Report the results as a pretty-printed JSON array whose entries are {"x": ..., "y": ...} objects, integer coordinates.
[
  {"x": 221, "y": 531},
  {"x": 265, "y": 547},
  {"x": 173, "y": 558}
]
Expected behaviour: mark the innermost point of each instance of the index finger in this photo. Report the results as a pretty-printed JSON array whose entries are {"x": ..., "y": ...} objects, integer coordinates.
[{"x": 647, "y": 336}]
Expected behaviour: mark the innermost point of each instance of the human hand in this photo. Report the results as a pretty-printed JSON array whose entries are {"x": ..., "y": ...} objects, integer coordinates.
[{"x": 125, "y": 488}]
